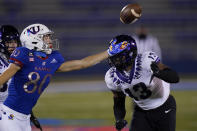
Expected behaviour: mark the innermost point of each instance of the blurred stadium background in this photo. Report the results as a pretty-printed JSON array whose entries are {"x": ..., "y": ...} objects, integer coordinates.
[{"x": 79, "y": 100}]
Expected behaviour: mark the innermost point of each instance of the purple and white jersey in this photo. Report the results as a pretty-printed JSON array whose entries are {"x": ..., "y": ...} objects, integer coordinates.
[
  {"x": 148, "y": 92},
  {"x": 3, "y": 66}
]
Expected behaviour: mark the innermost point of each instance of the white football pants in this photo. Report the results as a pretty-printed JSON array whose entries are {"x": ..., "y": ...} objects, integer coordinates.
[{"x": 11, "y": 120}]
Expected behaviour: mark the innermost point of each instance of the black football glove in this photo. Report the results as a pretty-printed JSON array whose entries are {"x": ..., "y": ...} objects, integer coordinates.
[
  {"x": 120, "y": 124},
  {"x": 155, "y": 68},
  {"x": 35, "y": 121}
]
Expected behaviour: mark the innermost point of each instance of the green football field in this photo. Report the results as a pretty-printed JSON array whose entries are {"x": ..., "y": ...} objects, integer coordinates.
[{"x": 98, "y": 106}]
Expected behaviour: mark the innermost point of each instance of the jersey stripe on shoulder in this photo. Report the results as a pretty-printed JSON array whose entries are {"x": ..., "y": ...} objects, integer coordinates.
[{"x": 17, "y": 62}]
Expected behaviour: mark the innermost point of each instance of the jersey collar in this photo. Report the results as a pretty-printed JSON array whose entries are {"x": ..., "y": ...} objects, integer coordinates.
[
  {"x": 126, "y": 78},
  {"x": 41, "y": 55}
]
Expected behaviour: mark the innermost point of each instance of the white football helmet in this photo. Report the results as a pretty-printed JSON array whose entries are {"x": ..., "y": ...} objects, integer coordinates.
[{"x": 32, "y": 38}]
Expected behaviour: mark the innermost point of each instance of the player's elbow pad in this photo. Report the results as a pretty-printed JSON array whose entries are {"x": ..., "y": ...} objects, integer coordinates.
[{"x": 168, "y": 75}]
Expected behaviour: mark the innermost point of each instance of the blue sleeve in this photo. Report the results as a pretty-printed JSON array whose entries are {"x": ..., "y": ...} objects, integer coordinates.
[
  {"x": 19, "y": 56},
  {"x": 59, "y": 58}
]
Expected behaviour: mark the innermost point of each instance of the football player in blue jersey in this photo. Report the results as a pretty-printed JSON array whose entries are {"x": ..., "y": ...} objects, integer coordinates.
[
  {"x": 145, "y": 79},
  {"x": 31, "y": 68},
  {"x": 9, "y": 40}
]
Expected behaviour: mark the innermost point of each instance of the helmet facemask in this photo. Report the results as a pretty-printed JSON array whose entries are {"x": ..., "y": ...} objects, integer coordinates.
[
  {"x": 49, "y": 43},
  {"x": 11, "y": 45},
  {"x": 123, "y": 60},
  {"x": 9, "y": 39}
]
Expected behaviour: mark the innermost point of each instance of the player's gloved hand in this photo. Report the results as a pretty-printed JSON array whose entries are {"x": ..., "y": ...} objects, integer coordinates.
[
  {"x": 155, "y": 68},
  {"x": 35, "y": 121},
  {"x": 120, "y": 124}
]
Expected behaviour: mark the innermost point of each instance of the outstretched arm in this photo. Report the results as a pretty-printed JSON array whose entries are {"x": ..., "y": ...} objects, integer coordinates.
[
  {"x": 83, "y": 63},
  {"x": 164, "y": 72},
  {"x": 7, "y": 74}
]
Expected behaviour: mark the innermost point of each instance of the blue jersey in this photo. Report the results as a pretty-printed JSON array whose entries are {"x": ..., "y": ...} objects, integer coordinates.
[{"x": 30, "y": 81}]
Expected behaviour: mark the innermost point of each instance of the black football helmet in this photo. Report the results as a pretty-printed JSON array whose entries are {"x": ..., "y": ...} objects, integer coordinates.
[
  {"x": 122, "y": 51},
  {"x": 8, "y": 33}
]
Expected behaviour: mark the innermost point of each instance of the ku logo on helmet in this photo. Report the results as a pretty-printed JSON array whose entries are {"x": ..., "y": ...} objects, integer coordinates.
[{"x": 33, "y": 30}]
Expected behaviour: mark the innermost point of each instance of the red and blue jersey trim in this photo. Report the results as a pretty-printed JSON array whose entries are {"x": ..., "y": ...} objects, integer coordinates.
[{"x": 15, "y": 61}]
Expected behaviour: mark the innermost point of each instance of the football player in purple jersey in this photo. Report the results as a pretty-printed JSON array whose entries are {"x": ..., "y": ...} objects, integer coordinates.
[
  {"x": 145, "y": 79},
  {"x": 9, "y": 40},
  {"x": 31, "y": 68}
]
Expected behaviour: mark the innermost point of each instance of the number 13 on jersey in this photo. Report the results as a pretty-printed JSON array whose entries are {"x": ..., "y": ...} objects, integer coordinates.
[{"x": 140, "y": 91}]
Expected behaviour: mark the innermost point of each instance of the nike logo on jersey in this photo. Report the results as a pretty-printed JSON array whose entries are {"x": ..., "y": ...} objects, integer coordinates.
[
  {"x": 167, "y": 111},
  {"x": 53, "y": 61}
]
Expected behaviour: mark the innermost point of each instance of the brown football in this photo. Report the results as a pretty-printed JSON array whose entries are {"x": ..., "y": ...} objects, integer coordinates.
[{"x": 130, "y": 13}]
